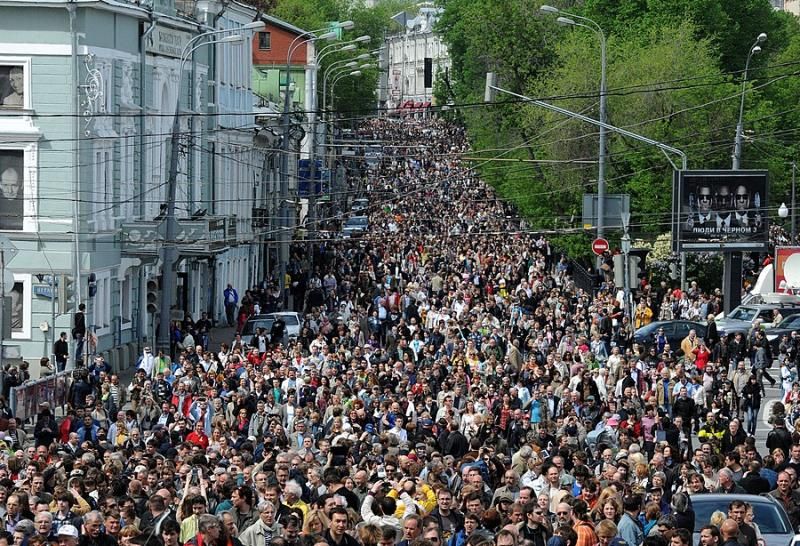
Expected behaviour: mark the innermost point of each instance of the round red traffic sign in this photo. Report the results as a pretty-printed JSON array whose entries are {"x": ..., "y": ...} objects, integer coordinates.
[{"x": 599, "y": 246}]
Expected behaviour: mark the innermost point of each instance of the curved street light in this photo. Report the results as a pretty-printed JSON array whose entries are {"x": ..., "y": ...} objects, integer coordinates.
[
  {"x": 169, "y": 251},
  {"x": 755, "y": 49},
  {"x": 572, "y": 19}
]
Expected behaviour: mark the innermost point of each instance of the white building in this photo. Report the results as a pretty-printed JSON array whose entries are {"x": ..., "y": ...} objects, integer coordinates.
[{"x": 404, "y": 58}]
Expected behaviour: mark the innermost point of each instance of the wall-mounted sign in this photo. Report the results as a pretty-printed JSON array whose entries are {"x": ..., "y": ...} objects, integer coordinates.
[{"x": 167, "y": 41}]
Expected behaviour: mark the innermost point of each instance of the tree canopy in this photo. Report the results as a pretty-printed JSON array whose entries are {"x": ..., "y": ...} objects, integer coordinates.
[{"x": 674, "y": 75}]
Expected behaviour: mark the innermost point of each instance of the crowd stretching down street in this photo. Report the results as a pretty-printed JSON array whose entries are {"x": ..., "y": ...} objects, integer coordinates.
[{"x": 450, "y": 386}]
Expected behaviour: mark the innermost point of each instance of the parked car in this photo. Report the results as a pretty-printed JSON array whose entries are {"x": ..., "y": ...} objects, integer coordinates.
[
  {"x": 786, "y": 326},
  {"x": 742, "y": 318},
  {"x": 293, "y": 321},
  {"x": 355, "y": 225},
  {"x": 674, "y": 330},
  {"x": 772, "y": 520},
  {"x": 360, "y": 204}
]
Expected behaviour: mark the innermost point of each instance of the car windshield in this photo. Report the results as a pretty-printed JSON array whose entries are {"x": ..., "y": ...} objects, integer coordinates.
[
  {"x": 357, "y": 221},
  {"x": 743, "y": 313},
  {"x": 251, "y": 325},
  {"x": 791, "y": 322},
  {"x": 767, "y": 517}
]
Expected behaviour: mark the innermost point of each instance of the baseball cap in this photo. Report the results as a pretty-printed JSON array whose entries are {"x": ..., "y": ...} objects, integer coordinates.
[{"x": 68, "y": 531}]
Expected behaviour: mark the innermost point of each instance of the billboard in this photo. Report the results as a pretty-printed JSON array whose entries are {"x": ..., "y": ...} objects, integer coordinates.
[
  {"x": 721, "y": 210},
  {"x": 787, "y": 269}
]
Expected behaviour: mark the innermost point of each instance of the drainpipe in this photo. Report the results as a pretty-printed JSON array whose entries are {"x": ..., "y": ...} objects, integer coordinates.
[
  {"x": 142, "y": 100},
  {"x": 142, "y": 309},
  {"x": 72, "y": 9}
]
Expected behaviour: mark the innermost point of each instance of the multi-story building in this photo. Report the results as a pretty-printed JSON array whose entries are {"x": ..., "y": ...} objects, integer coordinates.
[
  {"x": 792, "y": 6},
  {"x": 88, "y": 93},
  {"x": 405, "y": 56}
]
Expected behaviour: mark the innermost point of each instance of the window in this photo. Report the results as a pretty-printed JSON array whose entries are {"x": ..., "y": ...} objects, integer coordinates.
[
  {"x": 12, "y": 194},
  {"x": 124, "y": 199},
  {"x": 103, "y": 194},
  {"x": 20, "y": 295},
  {"x": 102, "y": 303},
  {"x": 264, "y": 40},
  {"x": 125, "y": 298},
  {"x": 12, "y": 86}
]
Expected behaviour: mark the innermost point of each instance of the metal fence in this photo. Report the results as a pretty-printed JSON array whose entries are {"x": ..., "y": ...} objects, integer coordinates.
[{"x": 54, "y": 389}]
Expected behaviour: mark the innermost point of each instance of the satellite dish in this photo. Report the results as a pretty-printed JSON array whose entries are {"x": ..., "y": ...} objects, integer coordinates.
[{"x": 791, "y": 271}]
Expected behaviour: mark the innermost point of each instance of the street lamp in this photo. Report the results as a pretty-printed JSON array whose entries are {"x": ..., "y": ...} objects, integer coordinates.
[
  {"x": 349, "y": 46},
  {"x": 312, "y": 159},
  {"x": 304, "y": 37},
  {"x": 783, "y": 210},
  {"x": 580, "y": 21},
  {"x": 755, "y": 49},
  {"x": 169, "y": 251}
]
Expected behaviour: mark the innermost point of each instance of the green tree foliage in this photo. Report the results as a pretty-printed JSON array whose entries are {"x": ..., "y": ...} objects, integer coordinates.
[
  {"x": 674, "y": 75},
  {"x": 354, "y": 96}
]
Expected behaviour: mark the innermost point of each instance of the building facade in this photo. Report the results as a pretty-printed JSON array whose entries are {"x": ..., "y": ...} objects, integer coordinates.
[
  {"x": 88, "y": 93},
  {"x": 405, "y": 56}
]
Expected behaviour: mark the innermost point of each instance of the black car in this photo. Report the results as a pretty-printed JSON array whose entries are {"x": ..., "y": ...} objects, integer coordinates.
[
  {"x": 674, "y": 330},
  {"x": 786, "y": 326}
]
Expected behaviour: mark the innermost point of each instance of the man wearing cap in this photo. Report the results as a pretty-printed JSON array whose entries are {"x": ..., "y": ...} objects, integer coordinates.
[{"x": 67, "y": 536}]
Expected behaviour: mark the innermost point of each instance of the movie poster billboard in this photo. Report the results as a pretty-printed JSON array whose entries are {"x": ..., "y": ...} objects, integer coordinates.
[{"x": 722, "y": 210}]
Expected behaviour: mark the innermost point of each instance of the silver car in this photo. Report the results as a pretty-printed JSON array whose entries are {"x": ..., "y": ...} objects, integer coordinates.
[{"x": 769, "y": 515}]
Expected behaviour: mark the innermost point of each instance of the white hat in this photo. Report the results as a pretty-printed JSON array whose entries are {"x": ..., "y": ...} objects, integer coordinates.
[{"x": 68, "y": 531}]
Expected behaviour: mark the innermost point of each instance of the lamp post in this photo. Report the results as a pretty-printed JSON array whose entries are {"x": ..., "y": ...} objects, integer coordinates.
[
  {"x": 305, "y": 37},
  {"x": 311, "y": 218},
  {"x": 737, "y": 146},
  {"x": 580, "y": 21},
  {"x": 354, "y": 73},
  {"x": 169, "y": 251},
  {"x": 349, "y": 63},
  {"x": 783, "y": 210}
]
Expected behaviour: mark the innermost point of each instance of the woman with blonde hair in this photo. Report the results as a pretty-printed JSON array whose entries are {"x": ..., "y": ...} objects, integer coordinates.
[
  {"x": 315, "y": 522},
  {"x": 127, "y": 534},
  {"x": 610, "y": 510},
  {"x": 369, "y": 534},
  {"x": 606, "y": 494}
]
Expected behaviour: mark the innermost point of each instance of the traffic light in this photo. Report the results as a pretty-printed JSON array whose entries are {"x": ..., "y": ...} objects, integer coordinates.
[
  {"x": 66, "y": 294},
  {"x": 428, "y": 72},
  {"x": 153, "y": 296},
  {"x": 619, "y": 270},
  {"x": 638, "y": 266},
  {"x": 92, "y": 285}
]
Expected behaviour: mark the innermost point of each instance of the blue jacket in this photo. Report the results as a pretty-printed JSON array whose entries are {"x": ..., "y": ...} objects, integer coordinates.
[{"x": 231, "y": 292}]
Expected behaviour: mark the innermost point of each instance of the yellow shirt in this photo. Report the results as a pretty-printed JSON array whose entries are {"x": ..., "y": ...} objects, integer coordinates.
[
  {"x": 301, "y": 505},
  {"x": 427, "y": 502}
]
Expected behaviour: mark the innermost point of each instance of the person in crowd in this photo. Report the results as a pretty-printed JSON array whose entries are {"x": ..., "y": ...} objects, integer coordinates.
[{"x": 448, "y": 380}]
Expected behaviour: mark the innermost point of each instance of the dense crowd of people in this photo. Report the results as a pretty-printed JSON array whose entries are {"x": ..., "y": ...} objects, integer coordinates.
[{"x": 451, "y": 385}]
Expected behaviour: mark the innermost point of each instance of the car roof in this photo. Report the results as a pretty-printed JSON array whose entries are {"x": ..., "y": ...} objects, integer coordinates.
[{"x": 724, "y": 496}]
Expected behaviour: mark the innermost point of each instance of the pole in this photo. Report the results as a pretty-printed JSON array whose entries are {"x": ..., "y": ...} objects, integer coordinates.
[
  {"x": 169, "y": 254},
  {"x": 2, "y": 317},
  {"x": 601, "y": 159},
  {"x": 732, "y": 261},
  {"x": 794, "y": 176},
  {"x": 283, "y": 258},
  {"x": 626, "y": 250},
  {"x": 169, "y": 250},
  {"x": 76, "y": 184},
  {"x": 311, "y": 217},
  {"x": 53, "y": 292}
]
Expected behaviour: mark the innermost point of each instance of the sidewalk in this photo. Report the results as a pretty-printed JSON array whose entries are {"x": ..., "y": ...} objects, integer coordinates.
[{"x": 218, "y": 335}]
